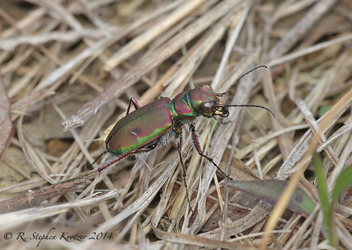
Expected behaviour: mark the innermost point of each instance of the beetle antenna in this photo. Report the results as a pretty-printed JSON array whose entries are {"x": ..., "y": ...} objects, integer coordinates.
[
  {"x": 222, "y": 94},
  {"x": 248, "y": 105}
]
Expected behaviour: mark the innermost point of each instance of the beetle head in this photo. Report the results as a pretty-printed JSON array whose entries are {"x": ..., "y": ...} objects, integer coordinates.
[{"x": 205, "y": 102}]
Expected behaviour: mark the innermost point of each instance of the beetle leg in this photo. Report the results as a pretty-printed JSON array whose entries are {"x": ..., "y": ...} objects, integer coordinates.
[
  {"x": 179, "y": 147},
  {"x": 114, "y": 161},
  {"x": 97, "y": 169},
  {"x": 144, "y": 149},
  {"x": 135, "y": 104},
  {"x": 199, "y": 150}
]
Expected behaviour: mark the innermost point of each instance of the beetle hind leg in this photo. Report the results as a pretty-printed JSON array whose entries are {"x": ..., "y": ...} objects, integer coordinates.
[
  {"x": 146, "y": 148},
  {"x": 114, "y": 161}
]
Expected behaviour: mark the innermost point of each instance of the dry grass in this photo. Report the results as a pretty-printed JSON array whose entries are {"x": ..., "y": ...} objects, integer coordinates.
[{"x": 76, "y": 64}]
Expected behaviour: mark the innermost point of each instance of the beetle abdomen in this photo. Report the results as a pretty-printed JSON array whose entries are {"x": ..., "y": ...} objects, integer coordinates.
[{"x": 140, "y": 127}]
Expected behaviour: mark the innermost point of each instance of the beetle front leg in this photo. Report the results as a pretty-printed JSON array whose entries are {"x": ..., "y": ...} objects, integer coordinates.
[
  {"x": 179, "y": 148},
  {"x": 135, "y": 104},
  {"x": 199, "y": 150}
]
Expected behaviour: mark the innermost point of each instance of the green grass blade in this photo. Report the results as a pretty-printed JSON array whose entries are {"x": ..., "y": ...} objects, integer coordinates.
[
  {"x": 324, "y": 198},
  {"x": 271, "y": 190},
  {"x": 343, "y": 182}
]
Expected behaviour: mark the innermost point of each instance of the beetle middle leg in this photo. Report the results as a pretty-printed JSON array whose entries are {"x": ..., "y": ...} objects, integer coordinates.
[{"x": 199, "y": 150}]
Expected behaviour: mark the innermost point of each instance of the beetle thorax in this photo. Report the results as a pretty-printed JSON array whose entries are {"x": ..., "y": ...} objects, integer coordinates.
[{"x": 186, "y": 106}]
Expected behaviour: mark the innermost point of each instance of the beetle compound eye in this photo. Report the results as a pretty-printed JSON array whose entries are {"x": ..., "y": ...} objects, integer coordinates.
[{"x": 207, "y": 107}]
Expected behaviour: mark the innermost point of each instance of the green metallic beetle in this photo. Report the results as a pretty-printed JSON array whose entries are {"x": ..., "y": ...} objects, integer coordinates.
[{"x": 160, "y": 121}]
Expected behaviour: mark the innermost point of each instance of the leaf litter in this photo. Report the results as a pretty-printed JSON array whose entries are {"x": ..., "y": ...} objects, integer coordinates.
[{"x": 73, "y": 65}]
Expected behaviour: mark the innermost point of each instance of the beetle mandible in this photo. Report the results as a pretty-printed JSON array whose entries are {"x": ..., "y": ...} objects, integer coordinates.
[{"x": 157, "y": 123}]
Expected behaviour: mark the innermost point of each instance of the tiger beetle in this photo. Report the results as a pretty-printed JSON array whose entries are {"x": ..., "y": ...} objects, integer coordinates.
[{"x": 157, "y": 123}]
